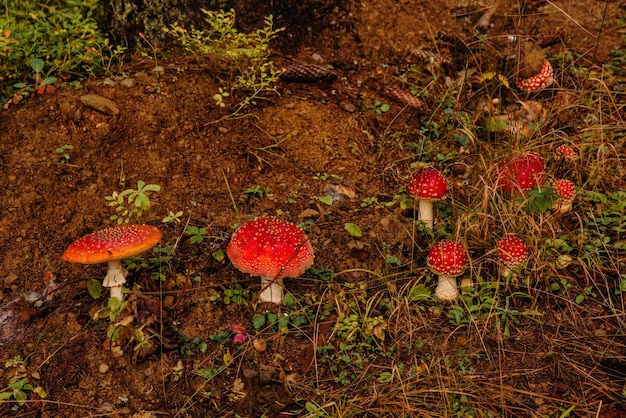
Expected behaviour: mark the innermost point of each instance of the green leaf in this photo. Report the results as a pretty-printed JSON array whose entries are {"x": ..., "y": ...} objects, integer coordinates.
[
  {"x": 19, "y": 384},
  {"x": 258, "y": 321},
  {"x": 95, "y": 288},
  {"x": 36, "y": 64},
  {"x": 218, "y": 255},
  {"x": 5, "y": 395},
  {"x": 272, "y": 317},
  {"x": 353, "y": 230},
  {"x": 326, "y": 199},
  {"x": 289, "y": 301},
  {"x": 495, "y": 125},
  {"x": 48, "y": 80}
]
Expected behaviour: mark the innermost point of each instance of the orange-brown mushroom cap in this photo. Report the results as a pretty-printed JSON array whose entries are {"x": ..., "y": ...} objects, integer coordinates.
[
  {"x": 112, "y": 244},
  {"x": 270, "y": 247}
]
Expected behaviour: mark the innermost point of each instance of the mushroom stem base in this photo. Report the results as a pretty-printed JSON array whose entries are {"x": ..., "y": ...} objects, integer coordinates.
[
  {"x": 425, "y": 212},
  {"x": 446, "y": 288},
  {"x": 115, "y": 279},
  {"x": 272, "y": 291},
  {"x": 508, "y": 274}
]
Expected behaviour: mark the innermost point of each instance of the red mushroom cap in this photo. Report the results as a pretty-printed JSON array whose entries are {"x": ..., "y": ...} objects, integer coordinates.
[
  {"x": 538, "y": 81},
  {"x": 112, "y": 244},
  {"x": 447, "y": 258},
  {"x": 521, "y": 173},
  {"x": 512, "y": 250},
  {"x": 428, "y": 184},
  {"x": 567, "y": 152},
  {"x": 270, "y": 247},
  {"x": 565, "y": 189}
]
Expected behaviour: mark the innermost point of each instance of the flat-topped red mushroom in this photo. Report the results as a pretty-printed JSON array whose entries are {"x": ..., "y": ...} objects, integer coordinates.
[
  {"x": 273, "y": 249},
  {"x": 567, "y": 191},
  {"x": 512, "y": 252},
  {"x": 112, "y": 245},
  {"x": 447, "y": 259},
  {"x": 521, "y": 173},
  {"x": 428, "y": 185}
]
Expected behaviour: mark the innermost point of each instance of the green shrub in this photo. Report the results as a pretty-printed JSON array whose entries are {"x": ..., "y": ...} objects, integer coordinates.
[
  {"x": 242, "y": 59},
  {"x": 62, "y": 33}
]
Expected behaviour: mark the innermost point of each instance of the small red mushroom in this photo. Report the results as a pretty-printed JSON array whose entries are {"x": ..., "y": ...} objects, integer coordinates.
[
  {"x": 521, "y": 173},
  {"x": 512, "y": 251},
  {"x": 273, "y": 249},
  {"x": 538, "y": 81},
  {"x": 567, "y": 152},
  {"x": 428, "y": 185},
  {"x": 448, "y": 260},
  {"x": 566, "y": 190},
  {"x": 112, "y": 245}
]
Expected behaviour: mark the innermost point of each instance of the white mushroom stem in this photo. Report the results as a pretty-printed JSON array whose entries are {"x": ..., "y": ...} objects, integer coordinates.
[
  {"x": 563, "y": 205},
  {"x": 446, "y": 287},
  {"x": 115, "y": 279},
  {"x": 425, "y": 212},
  {"x": 509, "y": 274},
  {"x": 272, "y": 290}
]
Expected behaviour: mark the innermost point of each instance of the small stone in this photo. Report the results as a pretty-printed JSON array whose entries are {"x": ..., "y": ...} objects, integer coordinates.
[
  {"x": 100, "y": 103},
  {"x": 348, "y": 107},
  {"x": 10, "y": 278},
  {"x": 103, "y": 368},
  {"x": 128, "y": 82},
  {"x": 222, "y": 130}
]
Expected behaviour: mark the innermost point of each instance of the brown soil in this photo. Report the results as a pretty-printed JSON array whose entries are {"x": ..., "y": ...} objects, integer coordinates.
[{"x": 314, "y": 139}]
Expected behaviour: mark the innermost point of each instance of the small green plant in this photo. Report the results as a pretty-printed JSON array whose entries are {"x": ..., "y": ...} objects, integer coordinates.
[
  {"x": 159, "y": 264},
  {"x": 173, "y": 217},
  {"x": 40, "y": 84},
  {"x": 246, "y": 56},
  {"x": 258, "y": 191},
  {"x": 586, "y": 294},
  {"x": 379, "y": 107},
  {"x": 540, "y": 200},
  {"x": 235, "y": 294},
  {"x": 64, "y": 153},
  {"x": 131, "y": 203},
  {"x": 18, "y": 382},
  {"x": 190, "y": 347},
  {"x": 196, "y": 235}
]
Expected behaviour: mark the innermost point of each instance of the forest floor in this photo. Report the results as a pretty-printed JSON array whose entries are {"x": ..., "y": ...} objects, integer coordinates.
[{"x": 362, "y": 333}]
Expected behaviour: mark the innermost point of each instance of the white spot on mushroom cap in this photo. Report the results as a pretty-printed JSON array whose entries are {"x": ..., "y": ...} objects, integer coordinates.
[{"x": 447, "y": 258}]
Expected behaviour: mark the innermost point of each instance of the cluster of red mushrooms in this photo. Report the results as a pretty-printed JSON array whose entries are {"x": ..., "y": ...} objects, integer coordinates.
[
  {"x": 516, "y": 175},
  {"x": 275, "y": 249}
]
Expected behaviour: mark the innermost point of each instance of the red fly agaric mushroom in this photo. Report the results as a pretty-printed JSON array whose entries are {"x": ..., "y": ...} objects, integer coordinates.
[
  {"x": 566, "y": 190},
  {"x": 534, "y": 71},
  {"x": 273, "y": 249},
  {"x": 521, "y": 173},
  {"x": 428, "y": 185},
  {"x": 538, "y": 81},
  {"x": 112, "y": 245},
  {"x": 448, "y": 260},
  {"x": 512, "y": 251},
  {"x": 567, "y": 152}
]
